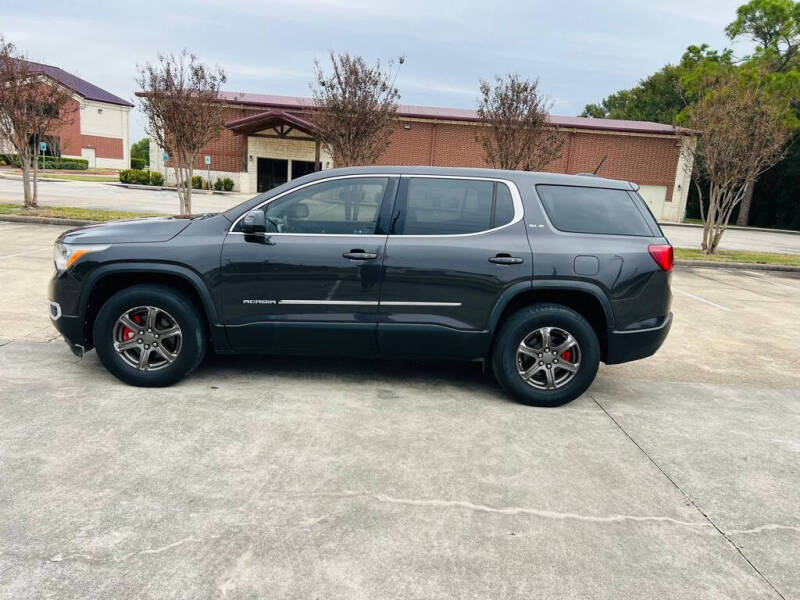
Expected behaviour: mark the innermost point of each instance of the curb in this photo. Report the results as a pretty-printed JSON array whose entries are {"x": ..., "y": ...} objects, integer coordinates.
[
  {"x": 711, "y": 264},
  {"x": 166, "y": 188},
  {"x": 764, "y": 229},
  {"x": 48, "y": 220}
]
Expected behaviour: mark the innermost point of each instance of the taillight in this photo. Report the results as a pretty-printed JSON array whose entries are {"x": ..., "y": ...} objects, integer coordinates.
[{"x": 663, "y": 255}]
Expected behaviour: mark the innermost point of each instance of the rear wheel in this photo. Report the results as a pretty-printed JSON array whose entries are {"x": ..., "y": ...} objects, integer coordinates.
[
  {"x": 149, "y": 335},
  {"x": 546, "y": 355}
]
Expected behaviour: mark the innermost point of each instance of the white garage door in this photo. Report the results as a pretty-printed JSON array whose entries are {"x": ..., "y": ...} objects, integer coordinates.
[{"x": 654, "y": 196}]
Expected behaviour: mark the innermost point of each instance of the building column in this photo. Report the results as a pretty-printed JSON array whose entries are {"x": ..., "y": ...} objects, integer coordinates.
[{"x": 676, "y": 209}]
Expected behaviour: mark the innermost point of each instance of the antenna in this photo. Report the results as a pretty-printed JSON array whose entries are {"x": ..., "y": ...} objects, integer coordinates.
[{"x": 600, "y": 165}]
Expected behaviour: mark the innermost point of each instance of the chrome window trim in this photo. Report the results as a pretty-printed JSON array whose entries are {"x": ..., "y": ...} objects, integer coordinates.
[
  {"x": 512, "y": 188},
  {"x": 305, "y": 185}
]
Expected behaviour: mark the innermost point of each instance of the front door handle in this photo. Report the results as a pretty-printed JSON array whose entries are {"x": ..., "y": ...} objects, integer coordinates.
[
  {"x": 505, "y": 259},
  {"x": 358, "y": 254}
]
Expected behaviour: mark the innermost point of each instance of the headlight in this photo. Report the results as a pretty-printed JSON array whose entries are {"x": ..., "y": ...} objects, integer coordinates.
[{"x": 64, "y": 255}]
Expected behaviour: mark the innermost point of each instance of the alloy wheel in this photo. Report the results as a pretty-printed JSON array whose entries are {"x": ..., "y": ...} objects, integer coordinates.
[
  {"x": 147, "y": 338},
  {"x": 548, "y": 358}
]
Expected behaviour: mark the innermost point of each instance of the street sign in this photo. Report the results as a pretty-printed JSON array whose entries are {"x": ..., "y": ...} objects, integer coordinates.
[
  {"x": 43, "y": 146},
  {"x": 166, "y": 157},
  {"x": 208, "y": 159}
]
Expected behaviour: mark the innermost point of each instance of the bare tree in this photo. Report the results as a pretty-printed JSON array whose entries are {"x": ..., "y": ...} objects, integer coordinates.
[
  {"x": 516, "y": 132},
  {"x": 31, "y": 106},
  {"x": 743, "y": 132},
  {"x": 356, "y": 105},
  {"x": 179, "y": 97}
]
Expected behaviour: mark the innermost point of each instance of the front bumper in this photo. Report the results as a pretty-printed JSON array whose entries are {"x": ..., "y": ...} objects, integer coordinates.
[
  {"x": 625, "y": 346},
  {"x": 64, "y": 292}
]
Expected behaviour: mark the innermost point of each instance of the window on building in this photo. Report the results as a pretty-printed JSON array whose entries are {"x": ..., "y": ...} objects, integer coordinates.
[
  {"x": 455, "y": 206},
  {"x": 341, "y": 206},
  {"x": 592, "y": 210}
]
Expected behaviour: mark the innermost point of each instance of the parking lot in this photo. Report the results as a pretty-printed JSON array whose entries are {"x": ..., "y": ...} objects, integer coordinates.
[{"x": 266, "y": 477}]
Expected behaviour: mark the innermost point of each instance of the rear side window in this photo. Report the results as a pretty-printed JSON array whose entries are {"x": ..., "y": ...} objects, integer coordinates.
[
  {"x": 592, "y": 210},
  {"x": 455, "y": 206}
]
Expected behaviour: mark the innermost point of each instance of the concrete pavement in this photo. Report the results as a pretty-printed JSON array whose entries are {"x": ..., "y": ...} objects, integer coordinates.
[
  {"x": 673, "y": 477},
  {"x": 111, "y": 197}
]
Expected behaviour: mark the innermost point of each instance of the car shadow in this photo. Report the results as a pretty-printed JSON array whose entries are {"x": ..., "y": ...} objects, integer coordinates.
[{"x": 465, "y": 374}]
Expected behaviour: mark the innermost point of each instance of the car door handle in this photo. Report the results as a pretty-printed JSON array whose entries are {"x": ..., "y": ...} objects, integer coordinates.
[
  {"x": 505, "y": 259},
  {"x": 358, "y": 254}
]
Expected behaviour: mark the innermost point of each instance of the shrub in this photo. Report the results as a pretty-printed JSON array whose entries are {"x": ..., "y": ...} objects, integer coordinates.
[
  {"x": 197, "y": 182},
  {"x": 156, "y": 178},
  {"x": 137, "y": 163},
  {"x": 218, "y": 184},
  {"x": 137, "y": 176},
  {"x": 227, "y": 184}
]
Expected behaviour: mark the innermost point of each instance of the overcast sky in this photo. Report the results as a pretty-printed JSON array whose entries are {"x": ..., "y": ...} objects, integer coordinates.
[{"x": 581, "y": 51}]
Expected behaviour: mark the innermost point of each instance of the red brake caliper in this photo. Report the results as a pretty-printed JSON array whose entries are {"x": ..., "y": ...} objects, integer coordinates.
[
  {"x": 127, "y": 333},
  {"x": 567, "y": 355}
]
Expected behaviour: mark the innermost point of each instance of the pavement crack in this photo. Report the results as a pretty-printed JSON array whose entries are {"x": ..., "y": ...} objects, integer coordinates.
[
  {"x": 691, "y": 501},
  {"x": 767, "y": 527},
  {"x": 158, "y": 550},
  {"x": 502, "y": 510}
]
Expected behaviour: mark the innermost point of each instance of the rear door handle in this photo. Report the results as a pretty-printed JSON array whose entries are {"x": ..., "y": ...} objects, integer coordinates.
[
  {"x": 358, "y": 254},
  {"x": 505, "y": 259}
]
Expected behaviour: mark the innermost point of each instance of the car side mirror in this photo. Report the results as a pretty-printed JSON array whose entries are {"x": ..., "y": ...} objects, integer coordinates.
[{"x": 254, "y": 222}]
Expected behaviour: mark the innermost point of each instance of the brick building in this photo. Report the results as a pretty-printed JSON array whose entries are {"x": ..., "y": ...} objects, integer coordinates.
[
  {"x": 268, "y": 140},
  {"x": 97, "y": 122}
]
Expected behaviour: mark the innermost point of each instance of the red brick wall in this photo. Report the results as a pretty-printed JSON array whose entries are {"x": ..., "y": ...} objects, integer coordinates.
[
  {"x": 645, "y": 160},
  {"x": 72, "y": 140}
]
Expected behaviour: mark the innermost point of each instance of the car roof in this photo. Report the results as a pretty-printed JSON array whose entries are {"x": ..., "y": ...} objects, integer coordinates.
[
  {"x": 520, "y": 178},
  {"x": 532, "y": 177}
]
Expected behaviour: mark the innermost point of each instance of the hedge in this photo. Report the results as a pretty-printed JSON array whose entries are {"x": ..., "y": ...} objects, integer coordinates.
[
  {"x": 138, "y": 163},
  {"x": 51, "y": 162}
]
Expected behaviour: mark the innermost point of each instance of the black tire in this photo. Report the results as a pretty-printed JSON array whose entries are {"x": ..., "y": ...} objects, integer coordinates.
[
  {"x": 178, "y": 306},
  {"x": 518, "y": 327}
]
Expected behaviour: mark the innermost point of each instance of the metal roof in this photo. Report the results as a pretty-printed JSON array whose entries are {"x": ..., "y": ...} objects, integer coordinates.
[
  {"x": 459, "y": 114},
  {"x": 76, "y": 84}
]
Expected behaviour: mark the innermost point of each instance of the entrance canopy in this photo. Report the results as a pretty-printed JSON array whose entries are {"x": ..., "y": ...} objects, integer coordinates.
[{"x": 278, "y": 120}]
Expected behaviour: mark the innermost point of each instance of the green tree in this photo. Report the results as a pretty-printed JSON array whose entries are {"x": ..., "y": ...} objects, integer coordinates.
[
  {"x": 141, "y": 149},
  {"x": 663, "y": 95},
  {"x": 775, "y": 27}
]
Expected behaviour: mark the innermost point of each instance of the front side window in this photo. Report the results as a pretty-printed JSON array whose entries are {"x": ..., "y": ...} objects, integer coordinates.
[
  {"x": 455, "y": 206},
  {"x": 592, "y": 210},
  {"x": 342, "y": 206}
]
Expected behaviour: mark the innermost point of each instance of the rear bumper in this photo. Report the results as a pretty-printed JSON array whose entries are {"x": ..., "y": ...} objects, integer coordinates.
[{"x": 625, "y": 346}]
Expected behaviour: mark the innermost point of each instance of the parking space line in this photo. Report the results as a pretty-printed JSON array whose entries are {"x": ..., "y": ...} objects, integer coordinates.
[{"x": 702, "y": 299}]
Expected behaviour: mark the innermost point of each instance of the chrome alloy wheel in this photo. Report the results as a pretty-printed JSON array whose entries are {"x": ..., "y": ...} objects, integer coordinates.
[
  {"x": 548, "y": 358},
  {"x": 147, "y": 338}
]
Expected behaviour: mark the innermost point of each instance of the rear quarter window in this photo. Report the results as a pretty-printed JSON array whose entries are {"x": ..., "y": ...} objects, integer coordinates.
[{"x": 593, "y": 210}]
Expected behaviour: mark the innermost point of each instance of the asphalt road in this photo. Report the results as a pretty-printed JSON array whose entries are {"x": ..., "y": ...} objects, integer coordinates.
[
  {"x": 673, "y": 477},
  {"x": 112, "y": 197}
]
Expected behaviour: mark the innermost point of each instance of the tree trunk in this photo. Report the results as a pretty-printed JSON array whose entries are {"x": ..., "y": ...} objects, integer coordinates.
[
  {"x": 744, "y": 207},
  {"x": 35, "y": 199},
  {"x": 26, "y": 180},
  {"x": 188, "y": 199}
]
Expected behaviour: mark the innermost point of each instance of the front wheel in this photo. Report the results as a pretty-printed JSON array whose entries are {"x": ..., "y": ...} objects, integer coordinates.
[
  {"x": 546, "y": 355},
  {"x": 149, "y": 335}
]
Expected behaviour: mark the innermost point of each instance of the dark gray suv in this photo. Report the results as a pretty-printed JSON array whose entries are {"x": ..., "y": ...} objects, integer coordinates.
[{"x": 542, "y": 276}]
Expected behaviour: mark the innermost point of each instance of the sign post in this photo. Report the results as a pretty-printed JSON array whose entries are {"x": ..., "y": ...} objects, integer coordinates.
[
  {"x": 166, "y": 158},
  {"x": 43, "y": 149},
  {"x": 208, "y": 167}
]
